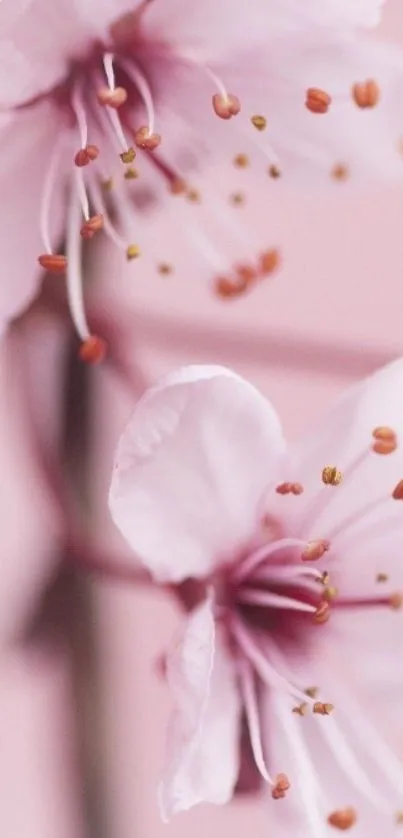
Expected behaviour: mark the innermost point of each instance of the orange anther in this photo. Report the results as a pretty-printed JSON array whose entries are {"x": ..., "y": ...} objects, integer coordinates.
[
  {"x": 112, "y": 98},
  {"x": 226, "y": 106},
  {"x": 317, "y": 100},
  {"x": 55, "y": 263},
  {"x": 93, "y": 350}
]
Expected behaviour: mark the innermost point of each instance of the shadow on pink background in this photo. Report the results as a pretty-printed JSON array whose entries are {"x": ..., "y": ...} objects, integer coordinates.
[{"x": 333, "y": 314}]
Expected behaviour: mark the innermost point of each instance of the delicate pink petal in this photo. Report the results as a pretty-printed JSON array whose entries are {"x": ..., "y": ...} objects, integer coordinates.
[
  {"x": 359, "y": 516},
  {"x": 213, "y": 29},
  {"x": 191, "y": 468},
  {"x": 25, "y": 149},
  {"x": 202, "y": 762},
  {"x": 309, "y": 146}
]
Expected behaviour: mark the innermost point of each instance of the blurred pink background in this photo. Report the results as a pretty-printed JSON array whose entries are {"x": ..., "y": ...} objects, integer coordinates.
[{"x": 333, "y": 314}]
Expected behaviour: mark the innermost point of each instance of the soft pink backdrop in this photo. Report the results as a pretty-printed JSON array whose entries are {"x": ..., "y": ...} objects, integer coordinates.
[{"x": 333, "y": 314}]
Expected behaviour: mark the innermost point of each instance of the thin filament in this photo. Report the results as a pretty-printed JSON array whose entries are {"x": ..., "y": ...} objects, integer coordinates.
[
  {"x": 252, "y": 715},
  {"x": 270, "y": 600},
  {"x": 74, "y": 277},
  {"x": 79, "y": 111},
  {"x": 144, "y": 90}
]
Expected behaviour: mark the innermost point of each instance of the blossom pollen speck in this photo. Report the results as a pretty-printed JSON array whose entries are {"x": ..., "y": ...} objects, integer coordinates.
[{"x": 265, "y": 620}]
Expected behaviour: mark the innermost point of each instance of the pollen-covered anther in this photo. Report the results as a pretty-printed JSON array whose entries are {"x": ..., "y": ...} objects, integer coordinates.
[
  {"x": 165, "y": 268},
  {"x": 314, "y": 550},
  {"x": 128, "y": 156},
  {"x": 86, "y": 155},
  {"x": 237, "y": 199},
  {"x": 330, "y": 592},
  {"x": 112, "y": 98},
  {"x": 228, "y": 288},
  {"x": 325, "y": 578},
  {"x": 132, "y": 252},
  {"x": 317, "y": 100},
  {"x": 107, "y": 184},
  {"x": 241, "y": 161},
  {"x": 259, "y": 121},
  {"x": 382, "y": 577},
  {"x": 331, "y": 476},
  {"x": 226, "y": 106},
  {"x": 193, "y": 195},
  {"x": 322, "y": 613},
  {"x": 269, "y": 261},
  {"x": 322, "y": 709},
  {"x": 131, "y": 173},
  {"x": 343, "y": 818},
  {"x": 339, "y": 172},
  {"x": 301, "y": 709},
  {"x": 384, "y": 440},
  {"x": 397, "y": 493},
  {"x": 144, "y": 138},
  {"x": 366, "y": 94},
  {"x": 290, "y": 489},
  {"x": 282, "y": 785},
  {"x": 311, "y": 692},
  {"x": 55, "y": 263},
  {"x": 274, "y": 172},
  {"x": 93, "y": 350},
  {"x": 92, "y": 226},
  {"x": 399, "y": 818},
  {"x": 396, "y": 601}
]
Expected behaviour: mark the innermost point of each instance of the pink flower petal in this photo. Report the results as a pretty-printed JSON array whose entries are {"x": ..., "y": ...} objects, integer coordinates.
[
  {"x": 202, "y": 761},
  {"x": 25, "y": 150},
  {"x": 191, "y": 467},
  {"x": 360, "y": 511}
]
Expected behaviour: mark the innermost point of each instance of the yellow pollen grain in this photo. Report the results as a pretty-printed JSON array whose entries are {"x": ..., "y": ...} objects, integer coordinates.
[
  {"x": 301, "y": 709},
  {"x": 330, "y": 592},
  {"x": 241, "y": 161},
  {"x": 127, "y": 156},
  {"x": 399, "y": 818},
  {"x": 193, "y": 196},
  {"x": 131, "y": 173},
  {"x": 382, "y": 577},
  {"x": 311, "y": 691},
  {"x": 331, "y": 476},
  {"x": 325, "y": 578},
  {"x": 237, "y": 199},
  {"x": 339, "y": 172},
  {"x": 107, "y": 184},
  {"x": 132, "y": 252},
  {"x": 274, "y": 172},
  {"x": 165, "y": 268},
  {"x": 259, "y": 121}
]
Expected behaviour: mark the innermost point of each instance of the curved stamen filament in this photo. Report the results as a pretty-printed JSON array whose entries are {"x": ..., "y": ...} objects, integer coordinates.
[
  {"x": 264, "y": 598},
  {"x": 248, "y": 690},
  {"x": 74, "y": 276},
  {"x": 144, "y": 90},
  {"x": 111, "y": 118},
  {"x": 79, "y": 112},
  {"x": 107, "y": 60},
  {"x": 261, "y": 664},
  {"x": 308, "y": 780},
  {"x": 82, "y": 194},
  {"x": 100, "y": 206},
  {"x": 259, "y": 556}
]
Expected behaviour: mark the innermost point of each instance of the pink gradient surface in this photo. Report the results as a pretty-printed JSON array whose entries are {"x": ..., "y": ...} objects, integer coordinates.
[{"x": 333, "y": 314}]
